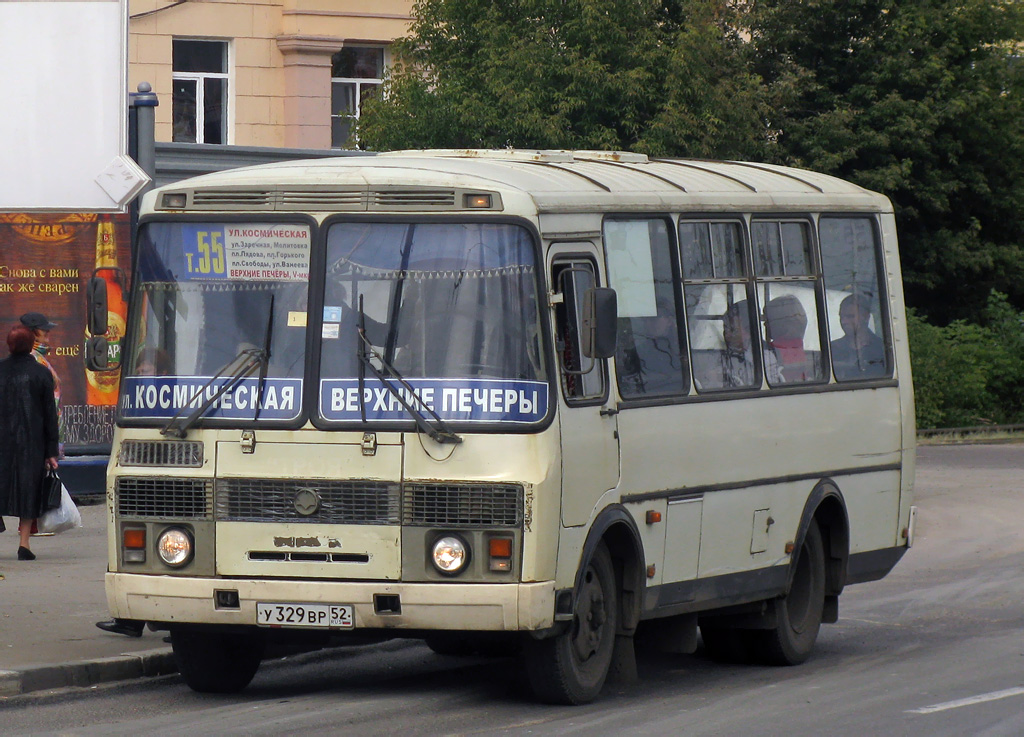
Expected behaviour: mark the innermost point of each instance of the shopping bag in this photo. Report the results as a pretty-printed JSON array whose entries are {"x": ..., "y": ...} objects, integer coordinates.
[
  {"x": 51, "y": 490},
  {"x": 63, "y": 517}
]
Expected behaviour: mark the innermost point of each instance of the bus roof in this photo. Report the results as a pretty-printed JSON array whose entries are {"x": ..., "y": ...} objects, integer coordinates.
[{"x": 555, "y": 181}]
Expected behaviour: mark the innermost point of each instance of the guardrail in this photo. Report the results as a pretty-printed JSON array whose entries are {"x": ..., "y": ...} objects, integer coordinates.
[{"x": 965, "y": 431}]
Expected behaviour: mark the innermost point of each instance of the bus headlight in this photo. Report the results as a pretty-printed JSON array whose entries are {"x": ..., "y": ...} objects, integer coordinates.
[
  {"x": 174, "y": 546},
  {"x": 450, "y": 555}
]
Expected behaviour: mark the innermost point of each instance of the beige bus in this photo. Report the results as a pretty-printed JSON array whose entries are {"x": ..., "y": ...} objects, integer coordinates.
[{"x": 546, "y": 402}]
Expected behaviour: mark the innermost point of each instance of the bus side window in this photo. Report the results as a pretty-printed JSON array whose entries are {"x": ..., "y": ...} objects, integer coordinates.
[
  {"x": 787, "y": 290},
  {"x": 573, "y": 278},
  {"x": 718, "y": 309},
  {"x": 858, "y": 326},
  {"x": 649, "y": 356}
]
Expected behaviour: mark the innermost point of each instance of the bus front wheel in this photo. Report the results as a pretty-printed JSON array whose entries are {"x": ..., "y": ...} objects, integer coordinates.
[
  {"x": 216, "y": 663},
  {"x": 571, "y": 668},
  {"x": 799, "y": 612}
]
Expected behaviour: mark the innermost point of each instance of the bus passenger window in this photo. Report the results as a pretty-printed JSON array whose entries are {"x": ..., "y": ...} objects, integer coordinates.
[
  {"x": 787, "y": 290},
  {"x": 718, "y": 308},
  {"x": 649, "y": 355},
  {"x": 857, "y": 325}
]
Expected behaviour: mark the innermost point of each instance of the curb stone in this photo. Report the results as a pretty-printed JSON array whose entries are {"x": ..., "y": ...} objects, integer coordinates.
[{"x": 18, "y": 681}]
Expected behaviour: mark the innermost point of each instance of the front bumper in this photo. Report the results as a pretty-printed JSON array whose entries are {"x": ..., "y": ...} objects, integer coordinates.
[{"x": 424, "y": 606}]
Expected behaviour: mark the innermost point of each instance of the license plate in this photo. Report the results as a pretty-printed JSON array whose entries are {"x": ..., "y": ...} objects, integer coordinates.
[{"x": 339, "y": 616}]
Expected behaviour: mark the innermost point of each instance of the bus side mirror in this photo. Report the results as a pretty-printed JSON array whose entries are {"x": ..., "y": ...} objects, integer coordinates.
[
  {"x": 96, "y": 306},
  {"x": 96, "y": 356},
  {"x": 600, "y": 316}
]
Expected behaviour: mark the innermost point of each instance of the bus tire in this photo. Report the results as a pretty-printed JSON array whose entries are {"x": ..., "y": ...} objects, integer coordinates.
[
  {"x": 216, "y": 663},
  {"x": 799, "y": 612},
  {"x": 571, "y": 668}
]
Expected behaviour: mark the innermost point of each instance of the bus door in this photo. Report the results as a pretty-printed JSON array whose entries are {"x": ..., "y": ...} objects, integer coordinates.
[{"x": 589, "y": 428}]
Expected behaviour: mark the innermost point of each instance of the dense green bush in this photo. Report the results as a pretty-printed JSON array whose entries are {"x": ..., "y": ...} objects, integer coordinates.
[{"x": 969, "y": 373}]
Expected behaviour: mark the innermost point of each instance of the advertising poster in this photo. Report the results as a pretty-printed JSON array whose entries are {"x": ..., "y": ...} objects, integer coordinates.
[{"x": 46, "y": 261}]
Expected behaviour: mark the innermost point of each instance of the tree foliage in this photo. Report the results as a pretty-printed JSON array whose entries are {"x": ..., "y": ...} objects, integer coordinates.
[
  {"x": 967, "y": 373},
  {"x": 922, "y": 101},
  {"x": 665, "y": 77}
]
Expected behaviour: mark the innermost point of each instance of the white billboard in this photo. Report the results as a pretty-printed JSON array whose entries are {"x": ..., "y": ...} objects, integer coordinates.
[{"x": 63, "y": 107}]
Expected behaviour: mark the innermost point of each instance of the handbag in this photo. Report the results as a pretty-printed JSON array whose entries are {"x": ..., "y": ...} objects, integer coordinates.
[
  {"x": 64, "y": 517},
  {"x": 51, "y": 490}
]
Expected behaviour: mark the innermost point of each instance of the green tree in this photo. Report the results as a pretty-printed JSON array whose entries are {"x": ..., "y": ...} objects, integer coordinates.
[
  {"x": 923, "y": 101},
  {"x": 663, "y": 76}
]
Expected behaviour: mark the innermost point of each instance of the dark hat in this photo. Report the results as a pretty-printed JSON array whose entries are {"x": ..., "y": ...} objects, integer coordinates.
[{"x": 37, "y": 321}]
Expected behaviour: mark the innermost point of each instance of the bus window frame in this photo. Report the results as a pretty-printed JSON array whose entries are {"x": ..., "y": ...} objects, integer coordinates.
[
  {"x": 881, "y": 276},
  {"x": 748, "y": 280},
  {"x": 563, "y": 262},
  {"x": 408, "y": 426},
  {"x": 670, "y": 218},
  {"x": 134, "y": 306},
  {"x": 818, "y": 277}
]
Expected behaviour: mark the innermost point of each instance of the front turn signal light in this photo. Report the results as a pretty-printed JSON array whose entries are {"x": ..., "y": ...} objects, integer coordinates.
[
  {"x": 133, "y": 539},
  {"x": 500, "y": 551}
]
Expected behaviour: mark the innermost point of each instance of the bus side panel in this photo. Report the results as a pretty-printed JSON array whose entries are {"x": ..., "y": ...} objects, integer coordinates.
[{"x": 758, "y": 459}]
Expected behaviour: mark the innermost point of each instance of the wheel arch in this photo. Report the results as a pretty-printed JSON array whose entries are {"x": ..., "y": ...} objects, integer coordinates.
[
  {"x": 826, "y": 506},
  {"x": 616, "y": 528}
]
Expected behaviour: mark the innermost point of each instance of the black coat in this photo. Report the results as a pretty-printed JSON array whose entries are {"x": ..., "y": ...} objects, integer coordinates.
[{"x": 28, "y": 434}]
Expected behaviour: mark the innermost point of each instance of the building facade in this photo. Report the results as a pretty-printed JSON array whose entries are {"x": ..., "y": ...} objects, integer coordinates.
[{"x": 278, "y": 73}]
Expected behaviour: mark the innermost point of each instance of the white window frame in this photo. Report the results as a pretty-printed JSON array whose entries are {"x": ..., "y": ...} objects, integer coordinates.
[
  {"x": 200, "y": 79},
  {"x": 359, "y": 83}
]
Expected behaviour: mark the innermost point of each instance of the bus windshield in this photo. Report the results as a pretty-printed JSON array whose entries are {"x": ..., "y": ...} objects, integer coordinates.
[
  {"x": 451, "y": 307},
  {"x": 208, "y": 294}
]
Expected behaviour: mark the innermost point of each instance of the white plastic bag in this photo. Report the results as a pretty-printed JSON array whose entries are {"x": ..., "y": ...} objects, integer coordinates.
[{"x": 63, "y": 517}]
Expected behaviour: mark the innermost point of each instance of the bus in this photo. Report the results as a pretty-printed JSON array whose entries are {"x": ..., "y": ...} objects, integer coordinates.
[{"x": 545, "y": 402}]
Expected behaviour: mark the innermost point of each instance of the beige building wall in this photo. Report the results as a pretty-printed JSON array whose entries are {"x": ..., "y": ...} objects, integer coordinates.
[{"x": 279, "y": 69}]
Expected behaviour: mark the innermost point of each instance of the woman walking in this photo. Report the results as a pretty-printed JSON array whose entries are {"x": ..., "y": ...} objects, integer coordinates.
[{"x": 28, "y": 434}]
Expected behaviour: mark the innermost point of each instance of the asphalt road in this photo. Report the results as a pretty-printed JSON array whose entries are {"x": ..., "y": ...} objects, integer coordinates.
[{"x": 936, "y": 648}]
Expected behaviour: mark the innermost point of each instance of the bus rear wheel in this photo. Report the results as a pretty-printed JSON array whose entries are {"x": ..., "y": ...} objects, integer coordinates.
[
  {"x": 571, "y": 668},
  {"x": 799, "y": 612},
  {"x": 217, "y": 663}
]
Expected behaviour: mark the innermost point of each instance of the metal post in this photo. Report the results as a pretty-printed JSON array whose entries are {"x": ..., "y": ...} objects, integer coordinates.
[
  {"x": 144, "y": 101},
  {"x": 141, "y": 145}
]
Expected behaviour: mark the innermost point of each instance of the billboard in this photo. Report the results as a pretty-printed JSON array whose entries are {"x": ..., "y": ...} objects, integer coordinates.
[
  {"x": 46, "y": 260},
  {"x": 63, "y": 82}
]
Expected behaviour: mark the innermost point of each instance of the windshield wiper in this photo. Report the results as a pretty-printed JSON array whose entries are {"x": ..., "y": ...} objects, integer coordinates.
[
  {"x": 438, "y": 430},
  {"x": 265, "y": 363},
  {"x": 250, "y": 359}
]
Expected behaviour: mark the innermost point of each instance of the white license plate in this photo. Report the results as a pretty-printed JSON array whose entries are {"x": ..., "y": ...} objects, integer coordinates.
[{"x": 340, "y": 616}]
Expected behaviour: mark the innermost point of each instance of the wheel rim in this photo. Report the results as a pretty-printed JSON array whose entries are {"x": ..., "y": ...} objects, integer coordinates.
[{"x": 589, "y": 623}]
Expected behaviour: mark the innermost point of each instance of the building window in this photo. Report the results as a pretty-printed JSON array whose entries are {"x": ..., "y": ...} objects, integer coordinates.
[
  {"x": 356, "y": 71},
  {"x": 200, "y": 91}
]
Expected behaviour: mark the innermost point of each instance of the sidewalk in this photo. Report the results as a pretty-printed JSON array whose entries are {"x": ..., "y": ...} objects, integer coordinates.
[{"x": 48, "y": 613}]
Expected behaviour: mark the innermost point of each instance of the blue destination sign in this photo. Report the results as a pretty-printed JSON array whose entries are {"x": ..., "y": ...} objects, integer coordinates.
[
  {"x": 454, "y": 400},
  {"x": 162, "y": 397}
]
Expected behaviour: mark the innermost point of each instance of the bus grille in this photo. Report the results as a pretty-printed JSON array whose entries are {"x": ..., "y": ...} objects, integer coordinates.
[
  {"x": 182, "y": 454},
  {"x": 458, "y": 504},
  {"x": 163, "y": 497},
  {"x": 332, "y": 502}
]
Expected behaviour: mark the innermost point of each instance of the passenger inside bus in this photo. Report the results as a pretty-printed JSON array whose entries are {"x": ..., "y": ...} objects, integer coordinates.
[
  {"x": 152, "y": 362},
  {"x": 859, "y": 354},
  {"x": 734, "y": 367},
  {"x": 785, "y": 326},
  {"x": 737, "y": 359}
]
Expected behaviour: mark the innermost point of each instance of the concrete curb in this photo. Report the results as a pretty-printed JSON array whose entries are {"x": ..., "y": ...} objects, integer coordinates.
[{"x": 87, "y": 673}]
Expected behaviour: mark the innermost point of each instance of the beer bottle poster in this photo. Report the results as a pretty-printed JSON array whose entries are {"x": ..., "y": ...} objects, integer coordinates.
[{"x": 46, "y": 261}]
